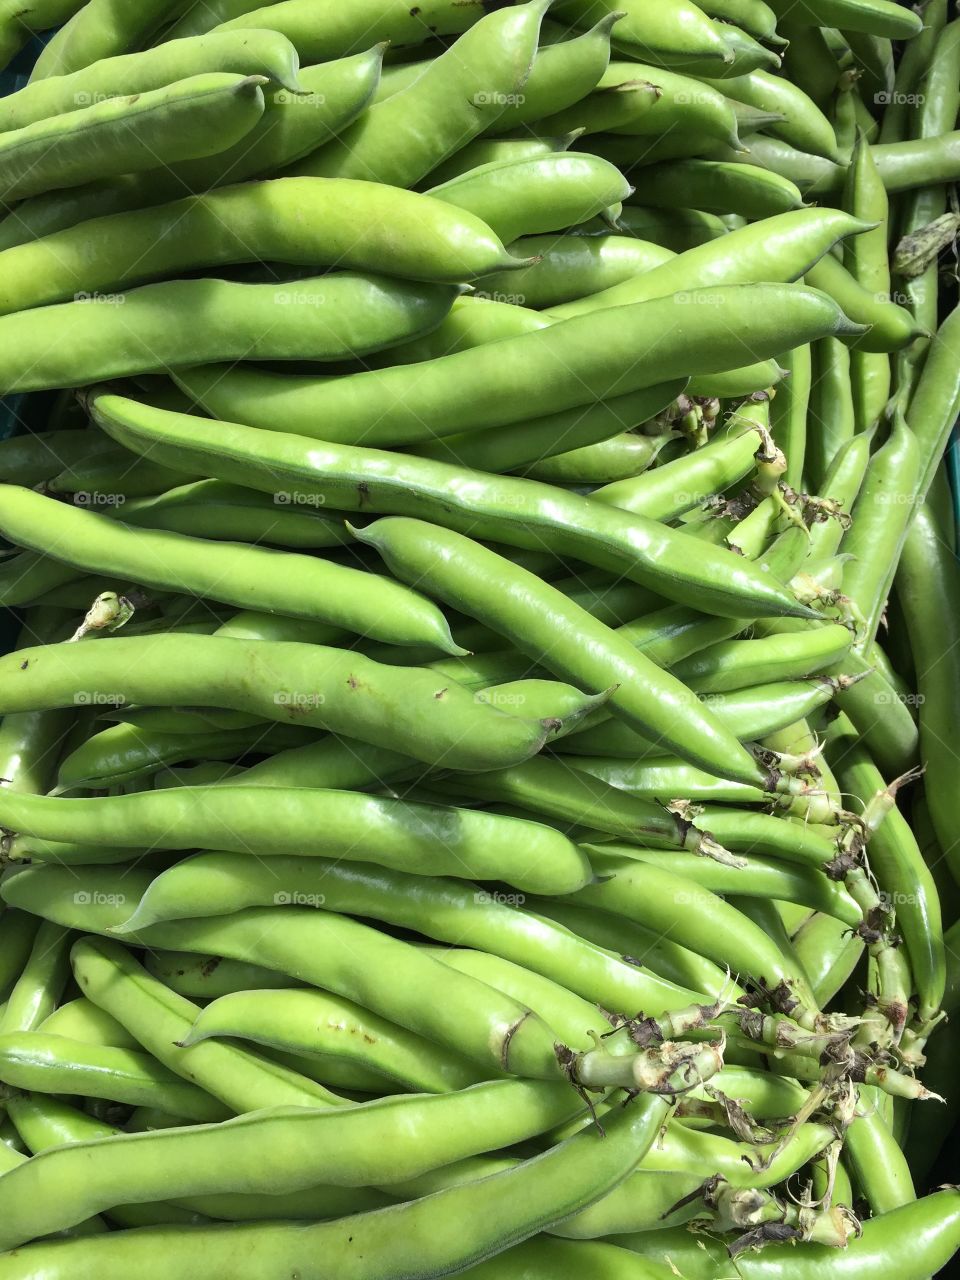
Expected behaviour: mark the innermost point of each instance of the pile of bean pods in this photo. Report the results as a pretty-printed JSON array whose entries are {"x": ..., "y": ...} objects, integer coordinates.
[{"x": 479, "y": 779}]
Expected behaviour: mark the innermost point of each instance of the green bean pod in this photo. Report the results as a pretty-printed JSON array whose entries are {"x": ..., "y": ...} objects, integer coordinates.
[
  {"x": 315, "y": 1023},
  {"x": 531, "y": 615},
  {"x": 928, "y": 588},
  {"x": 572, "y": 267},
  {"x": 258, "y": 53},
  {"x": 243, "y": 1080},
  {"x": 292, "y": 125},
  {"x": 427, "y": 840},
  {"x": 190, "y": 118},
  {"x": 42, "y": 1063},
  {"x": 335, "y": 33},
  {"x": 735, "y": 664},
  {"x": 481, "y": 1218},
  {"x": 290, "y": 683},
  {"x": 317, "y": 318},
  {"x": 463, "y": 91},
  {"x": 676, "y": 32},
  {"x": 829, "y": 952},
  {"x": 511, "y": 510},
  {"x": 803, "y": 124},
  {"x": 339, "y": 955},
  {"x": 686, "y": 482},
  {"x": 698, "y": 918},
  {"x": 605, "y": 462},
  {"x": 875, "y": 17},
  {"x": 442, "y": 909},
  {"x": 18, "y": 21},
  {"x": 611, "y": 351},
  {"x": 881, "y": 517},
  {"x": 905, "y": 881},
  {"x": 528, "y": 197},
  {"x": 643, "y": 101},
  {"x": 209, "y": 509},
  {"x": 236, "y": 574},
  {"x": 205, "y": 978},
  {"x": 47, "y": 1123},
  {"x": 749, "y": 713},
  {"x": 123, "y": 753},
  {"x": 17, "y": 934},
  {"x": 719, "y": 187},
  {"x": 310, "y": 222},
  {"x": 82, "y": 1020},
  {"x": 784, "y": 248},
  {"x": 758, "y": 877},
  {"x": 100, "y": 29},
  {"x": 562, "y": 74},
  {"x": 40, "y": 985}
]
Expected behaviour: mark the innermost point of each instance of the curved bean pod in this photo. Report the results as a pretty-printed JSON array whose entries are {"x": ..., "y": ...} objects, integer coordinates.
[
  {"x": 572, "y": 267},
  {"x": 340, "y": 955},
  {"x": 424, "y": 839},
  {"x": 191, "y": 118},
  {"x": 310, "y": 222},
  {"x": 405, "y": 709},
  {"x": 316, "y": 1023},
  {"x": 161, "y": 1020},
  {"x": 42, "y": 1063},
  {"x": 789, "y": 656},
  {"x": 784, "y": 248},
  {"x": 532, "y": 615},
  {"x": 332, "y": 34},
  {"x": 757, "y": 877},
  {"x": 246, "y": 576},
  {"x": 540, "y": 194},
  {"x": 676, "y": 31},
  {"x": 699, "y": 919},
  {"x": 101, "y": 28},
  {"x": 398, "y": 141},
  {"x": 609, "y": 351},
  {"x": 292, "y": 125},
  {"x": 322, "y": 318},
  {"x": 442, "y": 909},
  {"x": 514, "y": 510},
  {"x": 209, "y": 509},
  {"x": 750, "y": 714},
  {"x": 18, "y": 21},
  {"x": 257, "y": 53},
  {"x": 639, "y": 100},
  {"x": 829, "y": 953},
  {"x": 562, "y": 74},
  {"x": 82, "y": 1020},
  {"x": 40, "y": 985},
  {"x": 719, "y": 187},
  {"x": 482, "y": 1218},
  {"x": 802, "y": 123},
  {"x": 124, "y": 753}
]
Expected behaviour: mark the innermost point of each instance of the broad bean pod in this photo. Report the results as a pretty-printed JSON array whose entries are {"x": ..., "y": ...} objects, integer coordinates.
[
  {"x": 190, "y": 118},
  {"x": 519, "y": 512}
]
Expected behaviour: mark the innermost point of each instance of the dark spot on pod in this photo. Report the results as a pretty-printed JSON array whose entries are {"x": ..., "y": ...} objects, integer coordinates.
[
  {"x": 24, "y": 664},
  {"x": 414, "y": 11},
  {"x": 440, "y": 694},
  {"x": 208, "y": 966},
  {"x": 353, "y": 682},
  {"x": 363, "y": 491}
]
